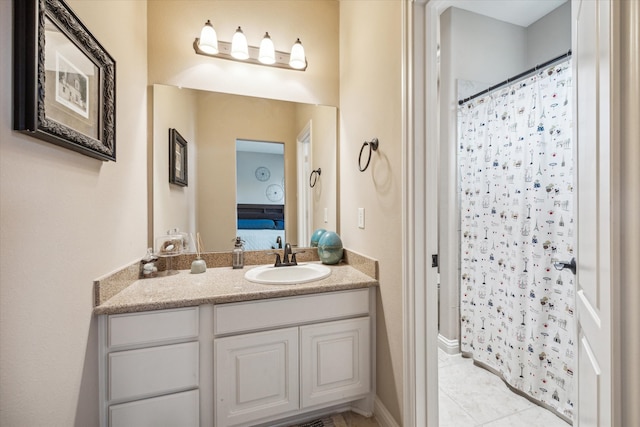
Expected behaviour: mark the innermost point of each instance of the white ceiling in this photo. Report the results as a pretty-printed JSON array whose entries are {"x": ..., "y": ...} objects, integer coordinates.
[
  {"x": 518, "y": 12},
  {"x": 259, "y": 146}
]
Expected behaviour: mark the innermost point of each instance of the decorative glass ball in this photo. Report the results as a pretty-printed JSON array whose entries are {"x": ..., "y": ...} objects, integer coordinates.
[
  {"x": 315, "y": 237},
  {"x": 330, "y": 248}
]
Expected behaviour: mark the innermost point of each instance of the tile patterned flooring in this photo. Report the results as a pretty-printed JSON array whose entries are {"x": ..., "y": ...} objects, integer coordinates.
[
  {"x": 351, "y": 419},
  {"x": 473, "y": 397}
]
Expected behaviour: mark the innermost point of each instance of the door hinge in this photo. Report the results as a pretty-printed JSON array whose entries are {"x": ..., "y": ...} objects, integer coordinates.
[{"x": 434, "y": 260}]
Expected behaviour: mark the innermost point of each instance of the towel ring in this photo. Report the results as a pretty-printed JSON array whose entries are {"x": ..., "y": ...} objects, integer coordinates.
[
  {"x": 373, "y": 146},
  {"x": 314, "y": 175}
]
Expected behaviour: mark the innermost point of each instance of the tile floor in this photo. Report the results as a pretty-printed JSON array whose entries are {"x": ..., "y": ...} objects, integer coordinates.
[
  {"x": 351, "y": 419},
  {"x": 473, "y": 397}
]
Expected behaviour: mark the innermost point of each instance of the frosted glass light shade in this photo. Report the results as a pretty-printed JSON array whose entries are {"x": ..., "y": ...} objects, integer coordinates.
[
  {"x": 208, "y": 39},
  {"x": 267, "y": 53},
  {"x": 297, "y": 59},
  {"x": 239, "y": 47}
]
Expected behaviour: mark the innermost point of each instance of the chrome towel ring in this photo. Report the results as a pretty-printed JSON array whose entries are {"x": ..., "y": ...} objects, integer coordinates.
[
  {"x": 373, "y": 146},
  {"x": 315, "y": 174}
]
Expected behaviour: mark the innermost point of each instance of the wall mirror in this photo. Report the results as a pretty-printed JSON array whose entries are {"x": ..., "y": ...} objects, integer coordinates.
[
  {"x": 260, "y": 194},
  {"x": 212, "y": 123}
]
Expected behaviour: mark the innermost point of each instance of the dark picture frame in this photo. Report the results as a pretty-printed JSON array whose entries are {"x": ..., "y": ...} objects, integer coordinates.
[
  {"x": 178, "y": 164},
  {"x": 64, "y": 80}
]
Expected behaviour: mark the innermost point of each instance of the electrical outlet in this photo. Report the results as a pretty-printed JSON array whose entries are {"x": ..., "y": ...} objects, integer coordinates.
[
  {"x": 326, "y": 215},
  {"x": 360, "y": 217}
]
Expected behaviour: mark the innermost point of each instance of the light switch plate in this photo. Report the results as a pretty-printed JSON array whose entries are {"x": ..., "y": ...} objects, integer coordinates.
[{"x": 360, "y": 217}]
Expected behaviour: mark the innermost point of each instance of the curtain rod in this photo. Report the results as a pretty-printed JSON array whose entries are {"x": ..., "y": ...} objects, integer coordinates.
[{"x": 517, "y": 77}]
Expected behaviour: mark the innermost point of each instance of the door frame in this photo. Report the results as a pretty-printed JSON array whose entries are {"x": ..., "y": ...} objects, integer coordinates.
[
  {"x": 420, "y": 313},
  {"x": 303, "y": 166},
  {"x": 420, "y": 385}
]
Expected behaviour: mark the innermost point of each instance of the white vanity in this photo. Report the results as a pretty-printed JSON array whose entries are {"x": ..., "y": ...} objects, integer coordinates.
[{"x": 269, "y": 361}]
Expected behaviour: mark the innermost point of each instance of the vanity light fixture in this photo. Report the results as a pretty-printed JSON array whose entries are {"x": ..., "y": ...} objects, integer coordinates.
[
  {"x": 208, "y": 39},
  {"x": 267, "y": 54},
  {"x": 239, "y": 47},
  {"x": 297, "y": 59},
  {"x": 239, "y": 50}
]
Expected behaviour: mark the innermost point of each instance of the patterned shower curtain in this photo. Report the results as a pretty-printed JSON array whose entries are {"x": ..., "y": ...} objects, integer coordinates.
[{"x": 516, "y": 197}]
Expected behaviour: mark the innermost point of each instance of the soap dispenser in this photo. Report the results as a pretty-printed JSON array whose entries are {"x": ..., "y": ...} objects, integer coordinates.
[{"x": 238, "y": 254}]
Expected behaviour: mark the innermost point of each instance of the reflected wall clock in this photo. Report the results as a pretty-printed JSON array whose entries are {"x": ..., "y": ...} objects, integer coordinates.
[
  {"x": 263, "y": 173},
  {"x": 274, "y": 193}
]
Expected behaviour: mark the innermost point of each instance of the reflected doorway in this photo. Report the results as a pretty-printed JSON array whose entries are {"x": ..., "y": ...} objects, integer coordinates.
[{"x": 260, "y": 195}]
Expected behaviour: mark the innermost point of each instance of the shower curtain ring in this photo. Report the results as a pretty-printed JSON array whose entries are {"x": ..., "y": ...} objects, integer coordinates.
[{"x": 373, "y": 146}]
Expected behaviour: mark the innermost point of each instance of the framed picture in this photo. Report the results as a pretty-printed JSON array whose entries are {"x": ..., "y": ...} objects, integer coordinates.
[
  {"x": 64, "y": 80},
  {"x": 178, "y": 165}
]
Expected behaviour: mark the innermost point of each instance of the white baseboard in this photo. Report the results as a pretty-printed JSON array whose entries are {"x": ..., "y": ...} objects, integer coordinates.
[
  {"x": 447, "y": 345},
  {"x": 382, "y": 415}
]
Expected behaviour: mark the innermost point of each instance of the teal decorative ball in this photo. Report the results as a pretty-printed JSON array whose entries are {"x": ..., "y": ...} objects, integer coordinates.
[
  {"x": 315, "y": 237},
  {"x": 330, "y": 248}
]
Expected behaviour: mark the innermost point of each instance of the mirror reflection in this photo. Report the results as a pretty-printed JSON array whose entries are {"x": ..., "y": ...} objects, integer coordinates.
[
  {"x": 213, "y": 124},
  {"x": 260, "y": 188}
]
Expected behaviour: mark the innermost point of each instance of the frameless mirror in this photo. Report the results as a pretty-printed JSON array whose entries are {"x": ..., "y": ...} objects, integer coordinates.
[
  {"x": 260, "y": 194},
  {"x": 212, "y": 123}
]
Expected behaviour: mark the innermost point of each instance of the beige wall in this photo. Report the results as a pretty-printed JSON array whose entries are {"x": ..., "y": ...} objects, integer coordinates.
[
  {"x": 324, "y": 137},
  {"x": 173, "y": 206},
  {"x": 629, "y": 246},
  {"x": 176, "y": 24},
  {"x": 222, "y": 119},
  {"x": 67, "y": 219},
  {"x": 371, "y": 106}
]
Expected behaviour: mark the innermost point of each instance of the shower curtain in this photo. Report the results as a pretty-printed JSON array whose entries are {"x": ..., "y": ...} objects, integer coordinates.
[{"x": 516, "y": 183}]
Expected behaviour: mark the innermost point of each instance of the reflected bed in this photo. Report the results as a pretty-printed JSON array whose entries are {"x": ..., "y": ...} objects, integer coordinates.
[{"x": 261, "y": 226}]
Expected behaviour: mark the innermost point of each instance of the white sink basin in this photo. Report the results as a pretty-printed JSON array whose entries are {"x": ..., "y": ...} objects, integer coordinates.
[{"x": 291, "y": 275}]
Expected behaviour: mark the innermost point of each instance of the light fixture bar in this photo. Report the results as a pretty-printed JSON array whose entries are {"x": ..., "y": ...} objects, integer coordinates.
[{"x": 224, "y": 52}]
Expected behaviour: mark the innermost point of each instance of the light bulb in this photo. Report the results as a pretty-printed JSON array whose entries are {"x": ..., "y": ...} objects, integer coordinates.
[
  {"x": 267, "y": 53},
  {"x": 297, "y": 59},
  {"x": 208, "y": 42},
  {"x": 239, "y": 48}
]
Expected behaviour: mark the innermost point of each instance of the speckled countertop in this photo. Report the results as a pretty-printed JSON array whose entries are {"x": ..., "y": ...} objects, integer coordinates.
[{"x": 121, "y": 292}]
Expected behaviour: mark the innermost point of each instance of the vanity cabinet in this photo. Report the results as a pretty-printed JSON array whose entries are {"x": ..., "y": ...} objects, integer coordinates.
[
  {"x": 149, "y": 368},
  {"x": 309, "y": 362},
  {"x": 251, "y": 363}
]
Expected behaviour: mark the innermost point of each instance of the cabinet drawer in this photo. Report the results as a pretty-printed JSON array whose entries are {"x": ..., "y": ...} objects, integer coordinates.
[
  {"x": 146, "y": 372},
  {"x": 152, "y": 327},
  {"x": 273, "y": 313},
  {"x": 179, "y": 409}
]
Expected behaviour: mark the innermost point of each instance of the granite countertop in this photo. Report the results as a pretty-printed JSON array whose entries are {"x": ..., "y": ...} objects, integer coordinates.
[{"x": 223, "y": 285}]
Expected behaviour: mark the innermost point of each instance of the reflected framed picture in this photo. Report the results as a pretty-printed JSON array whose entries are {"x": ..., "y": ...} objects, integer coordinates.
[
  {"x": 178, "y": 165},
  {"x": 64, "y": 80}
]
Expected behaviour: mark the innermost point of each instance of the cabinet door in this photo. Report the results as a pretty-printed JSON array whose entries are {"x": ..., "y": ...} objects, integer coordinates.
[
  {"x": 179, "y": 409},
  {"x": 256, "y": 376},
  {"x": 335, "y": 361}
]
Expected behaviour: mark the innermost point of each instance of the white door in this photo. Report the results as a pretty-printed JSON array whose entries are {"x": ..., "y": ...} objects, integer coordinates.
[
  {"x": 305, "y": 214},
  {"x": 593, "y": 136}
]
